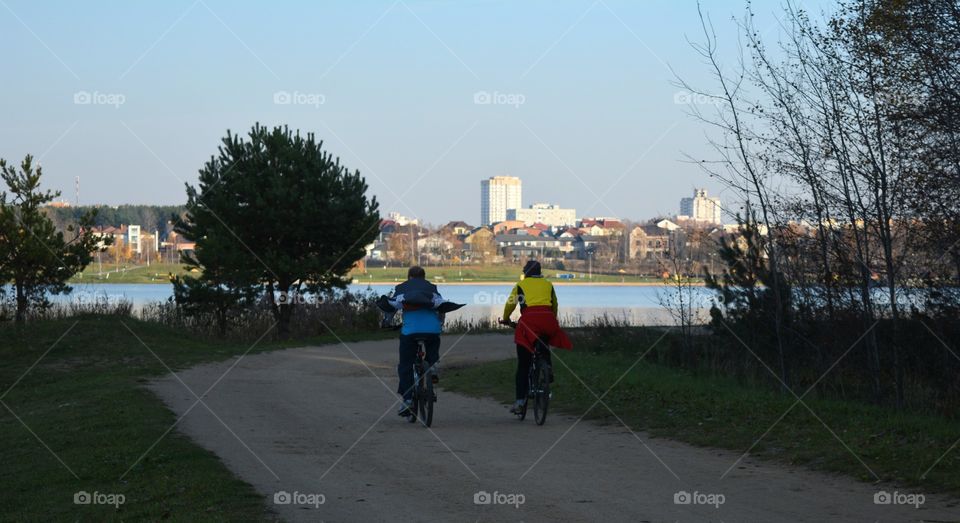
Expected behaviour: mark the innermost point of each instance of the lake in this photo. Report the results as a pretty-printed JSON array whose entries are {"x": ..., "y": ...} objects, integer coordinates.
[{"x": 636, "y": 304}]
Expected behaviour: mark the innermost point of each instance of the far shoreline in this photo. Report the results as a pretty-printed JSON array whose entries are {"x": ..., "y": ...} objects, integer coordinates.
[{"x": 457, "y": 282}]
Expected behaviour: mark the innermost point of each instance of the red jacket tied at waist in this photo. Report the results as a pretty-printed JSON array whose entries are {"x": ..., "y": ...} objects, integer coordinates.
[{"x": 540, "y": 322}]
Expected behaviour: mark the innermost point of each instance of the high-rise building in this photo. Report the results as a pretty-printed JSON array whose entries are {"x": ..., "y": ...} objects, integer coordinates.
[
  {"x": 402, "y": 220},
  {"x": 133, "y": 238},
  {"x": 497, "y": 194},
  {"x": 701, "y": 208},
  {"x": 552, "y": 215}
]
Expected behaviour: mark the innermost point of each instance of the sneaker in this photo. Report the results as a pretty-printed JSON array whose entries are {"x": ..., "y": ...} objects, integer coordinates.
[
  {"x": 517, "y": 407},
  {"x": 405, "y": 408}
]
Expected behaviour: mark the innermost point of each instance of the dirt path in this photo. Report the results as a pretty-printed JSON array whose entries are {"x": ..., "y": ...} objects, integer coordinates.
[{"x": 316, "y": 421}]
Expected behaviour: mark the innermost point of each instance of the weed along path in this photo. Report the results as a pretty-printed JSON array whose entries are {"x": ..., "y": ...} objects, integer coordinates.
[{"x": 315, "y": 431}]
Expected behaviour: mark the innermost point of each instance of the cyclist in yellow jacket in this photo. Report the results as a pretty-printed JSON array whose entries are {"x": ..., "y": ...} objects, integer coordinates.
[{"x": 538, "y": 322}]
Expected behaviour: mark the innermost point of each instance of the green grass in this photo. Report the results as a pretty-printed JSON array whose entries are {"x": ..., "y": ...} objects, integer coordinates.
[
  {"x": 491, "y": 273},
  {"x": 85, "y": 400},
  {"x": 128, "y": 273},
  {"x": 719, "y": 412},
  {"x": 160, "y": 272}
]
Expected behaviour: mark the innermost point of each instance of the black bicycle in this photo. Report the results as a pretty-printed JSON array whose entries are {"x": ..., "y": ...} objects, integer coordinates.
[
  {"x": 538, "y": 389},
  {"x": 424, "y": 396}
]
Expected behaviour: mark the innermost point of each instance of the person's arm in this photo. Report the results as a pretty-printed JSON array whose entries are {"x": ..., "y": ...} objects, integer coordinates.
[
  {"x": 437, "y": 300},
  {"x": 554, "y": 304},
  {"x": 511, "y": 304},
  {"x": 395, "y": 300}
]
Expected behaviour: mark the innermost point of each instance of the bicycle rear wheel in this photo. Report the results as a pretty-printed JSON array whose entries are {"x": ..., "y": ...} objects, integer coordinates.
[
  {"x": 415, "y": 400},
  {"x": 541, "y": 396},
  {"x": 426, "y": 401}
]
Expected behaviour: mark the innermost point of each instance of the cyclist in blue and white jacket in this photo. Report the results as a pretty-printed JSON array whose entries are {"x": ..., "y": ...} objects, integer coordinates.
[{"x": 418, "y": 299}]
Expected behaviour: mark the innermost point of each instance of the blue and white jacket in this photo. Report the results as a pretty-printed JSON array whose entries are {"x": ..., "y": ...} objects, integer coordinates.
[{"x": 418, "y": 299}]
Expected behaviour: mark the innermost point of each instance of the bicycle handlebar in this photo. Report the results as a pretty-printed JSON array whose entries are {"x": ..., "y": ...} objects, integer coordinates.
[{"x": 507, "y": 322}]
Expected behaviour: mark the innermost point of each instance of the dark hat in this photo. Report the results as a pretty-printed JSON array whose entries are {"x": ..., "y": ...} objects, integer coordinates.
[{"x": 532, "y": 268}]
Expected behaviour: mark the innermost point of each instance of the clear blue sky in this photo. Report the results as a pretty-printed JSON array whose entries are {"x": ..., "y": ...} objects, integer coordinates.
[{"x": 598, "y": 128}]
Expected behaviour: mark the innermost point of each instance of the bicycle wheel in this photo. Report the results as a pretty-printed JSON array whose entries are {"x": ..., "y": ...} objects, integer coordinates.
[
  {"x": 541, "y": 396},
  {"x": 531, "y": 387},
  {"x": 415, "y": 399},
  {"x": 426, "y": 401}
]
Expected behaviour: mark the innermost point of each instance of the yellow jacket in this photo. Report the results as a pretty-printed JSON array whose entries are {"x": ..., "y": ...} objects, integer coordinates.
[{"x": 531, "y": 291}]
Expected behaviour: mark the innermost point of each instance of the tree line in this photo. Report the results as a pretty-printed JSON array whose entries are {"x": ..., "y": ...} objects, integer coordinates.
[
  {"x": 849, "y": 125},
  {"x": 149, "y": 217}
]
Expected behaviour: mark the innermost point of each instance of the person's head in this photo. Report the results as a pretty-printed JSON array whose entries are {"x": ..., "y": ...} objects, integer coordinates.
[
  {"x": 532, "y": 268},
  {"x": 416, "y": 272}
]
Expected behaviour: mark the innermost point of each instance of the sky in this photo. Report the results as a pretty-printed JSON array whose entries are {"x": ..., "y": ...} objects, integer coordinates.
[{"x": 425, "y": 98}]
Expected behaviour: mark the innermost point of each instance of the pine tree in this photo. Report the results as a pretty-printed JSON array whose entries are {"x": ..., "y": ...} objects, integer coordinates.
[
  {"x": 36, "y": 257},
  {"x": 275, "y": 215}
]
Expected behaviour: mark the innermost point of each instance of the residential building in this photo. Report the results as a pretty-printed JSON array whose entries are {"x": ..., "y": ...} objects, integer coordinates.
[
  {"x": 549, "y": 214},
  {"x": 701, "y": 208},
  {"x": 667, "y": 224},
  {"x": 507, "y": 226},
  {"x": 133, "y": 238},
  {"x": 518, "y": 247},
  {"x": 458, "y": 228},
  {"x": 602, "y": 226},
  {"x": 402, "y": 220},
  {"x": 648, "y": 241},
  {"x": 480, "y": 244},
  {"x": 497, "y": 194}
]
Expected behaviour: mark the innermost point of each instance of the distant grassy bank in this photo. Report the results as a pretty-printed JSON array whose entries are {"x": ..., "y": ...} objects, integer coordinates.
[
  {"x": 85, "y": 400},
  {"x": 468, "y": 274},
  {"x": 720, "y": 412},
  {"x": 493, "y": 273},
  {"x": 129, "y": 273}
]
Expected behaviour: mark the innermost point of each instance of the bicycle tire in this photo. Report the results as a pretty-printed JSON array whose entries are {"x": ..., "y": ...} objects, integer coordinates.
[
  {"x": 415, "y": 399},
  {"x": 541, "y": 397},
  {"x": 426, "y": 402},
  {"x": 530, "y": 388}
]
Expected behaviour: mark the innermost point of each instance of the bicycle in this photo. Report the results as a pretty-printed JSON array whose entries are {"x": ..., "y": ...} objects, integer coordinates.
[
  {"x": 538, "y": 388},
  {"x": 424, "y": 396}
]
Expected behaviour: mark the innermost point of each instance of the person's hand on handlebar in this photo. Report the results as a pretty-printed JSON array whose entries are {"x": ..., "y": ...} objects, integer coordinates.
[{"x": 507, "y": 322}]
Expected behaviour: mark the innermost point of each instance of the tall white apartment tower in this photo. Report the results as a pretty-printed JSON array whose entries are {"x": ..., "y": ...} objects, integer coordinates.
[
  {"x": 497, "y": 194},
  {"x": 701, "y": 208}
]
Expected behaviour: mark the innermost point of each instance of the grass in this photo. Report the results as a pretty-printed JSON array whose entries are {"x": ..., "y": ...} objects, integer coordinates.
[
  {"x": 85, "y": 400},
  {"x": 128, "y": 273},
  {"x": 160, "y": 273},
  {"x": 719, "y": 412},
  {"x": 492, "y": 273}
]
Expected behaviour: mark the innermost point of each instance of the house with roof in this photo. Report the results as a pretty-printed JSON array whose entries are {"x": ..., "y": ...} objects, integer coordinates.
[
  {"x": 506, "y": 226},
  {"x": 518, "y": 247},
  {"x": 584, "y": 245},
  {"x": 648, "y": 242},
  {"x": 459, "y": 228}
]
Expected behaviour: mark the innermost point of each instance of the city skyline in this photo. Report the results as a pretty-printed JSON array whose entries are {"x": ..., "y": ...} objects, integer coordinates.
[{"x": 575, "y": 97}]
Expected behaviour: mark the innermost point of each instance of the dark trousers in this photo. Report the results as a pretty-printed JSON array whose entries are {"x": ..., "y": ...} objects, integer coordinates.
[
  {"x": 524, "y": 359},
  {"x": 408, "y": 354}
]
